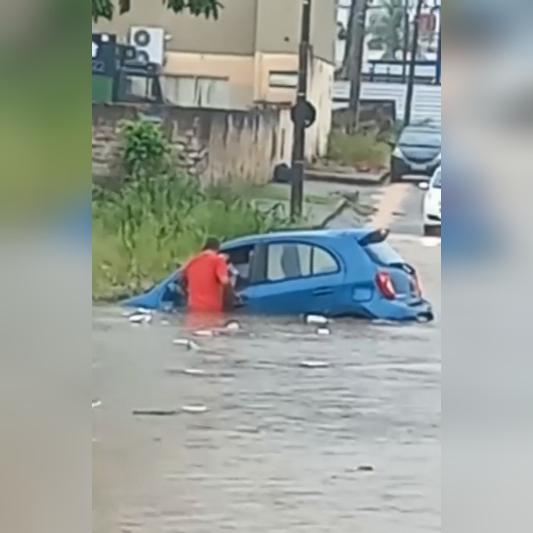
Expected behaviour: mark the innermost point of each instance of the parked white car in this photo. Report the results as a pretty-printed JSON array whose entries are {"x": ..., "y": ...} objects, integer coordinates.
[{"x": 432, "y": 204}]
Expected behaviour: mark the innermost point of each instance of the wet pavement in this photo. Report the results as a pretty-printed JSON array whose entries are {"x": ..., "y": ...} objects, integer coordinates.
[{"x": 273, "y": 428}]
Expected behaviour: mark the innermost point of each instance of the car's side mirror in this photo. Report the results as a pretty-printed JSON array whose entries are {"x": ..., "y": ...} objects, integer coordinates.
[{"x": 423, "y": 186}]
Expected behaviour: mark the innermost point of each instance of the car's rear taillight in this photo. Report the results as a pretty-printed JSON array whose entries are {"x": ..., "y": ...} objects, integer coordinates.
[{"x": 385, "y": 285}]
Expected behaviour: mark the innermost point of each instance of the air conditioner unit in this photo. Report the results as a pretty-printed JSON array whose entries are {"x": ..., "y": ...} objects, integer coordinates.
[{"x": 149, "y": 42}]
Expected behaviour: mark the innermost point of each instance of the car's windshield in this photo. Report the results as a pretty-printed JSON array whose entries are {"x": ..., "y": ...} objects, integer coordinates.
[
  {"x": 420, "y": 138},
  {"x": 383, "y": 254},
  {"x": 437, "y": 180}
]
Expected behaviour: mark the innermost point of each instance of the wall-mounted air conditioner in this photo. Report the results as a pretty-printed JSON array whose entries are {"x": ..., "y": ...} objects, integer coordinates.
[{"x": 149, "y": 42}]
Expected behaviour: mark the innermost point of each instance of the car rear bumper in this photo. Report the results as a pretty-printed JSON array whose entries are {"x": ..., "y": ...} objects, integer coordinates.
[
  {"x": 400, "y": 310},
  {"x": 401, "y": 166}
]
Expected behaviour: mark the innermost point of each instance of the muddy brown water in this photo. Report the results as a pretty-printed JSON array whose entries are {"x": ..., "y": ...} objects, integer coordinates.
[{"x": 283, "y": 421}]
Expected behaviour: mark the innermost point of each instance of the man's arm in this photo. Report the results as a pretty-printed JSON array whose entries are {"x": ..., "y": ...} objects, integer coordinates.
[{"x": 222, "y": 271}]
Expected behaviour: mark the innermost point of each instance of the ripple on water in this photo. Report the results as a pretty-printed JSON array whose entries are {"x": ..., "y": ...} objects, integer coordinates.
[{"x": 273, "y": 430}]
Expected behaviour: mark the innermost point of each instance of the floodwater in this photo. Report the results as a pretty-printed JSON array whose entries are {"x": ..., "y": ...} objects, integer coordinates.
[{"x": 283, "y": 421}]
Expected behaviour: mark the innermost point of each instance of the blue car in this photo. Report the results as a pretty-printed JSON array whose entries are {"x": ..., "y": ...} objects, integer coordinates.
[{"x": 336, "y": 273}]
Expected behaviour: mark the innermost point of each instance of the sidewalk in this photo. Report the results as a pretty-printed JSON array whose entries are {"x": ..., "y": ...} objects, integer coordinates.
[{"x": 346, "y": 176}]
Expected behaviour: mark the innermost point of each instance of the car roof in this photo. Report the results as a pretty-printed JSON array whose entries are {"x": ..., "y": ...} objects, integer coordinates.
[{"x": 306, "y": 235}]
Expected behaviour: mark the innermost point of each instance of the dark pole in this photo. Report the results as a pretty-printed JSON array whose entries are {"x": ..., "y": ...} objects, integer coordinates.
[
  {"x": 357, "y": 65},
  {"x": 298, "y": 148},
  {"x": 412, "y": 66},
  {"x": 406, "y": 32},
  {"x": 439, "y": 64}
]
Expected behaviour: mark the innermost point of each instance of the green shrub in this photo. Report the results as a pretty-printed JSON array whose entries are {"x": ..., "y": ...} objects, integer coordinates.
[
  {"x": 160, "y": 217},
  {"x": 145, "y": 149},
  {"x": 141, "y": 233},
  {"x": 358, "y": 150}
]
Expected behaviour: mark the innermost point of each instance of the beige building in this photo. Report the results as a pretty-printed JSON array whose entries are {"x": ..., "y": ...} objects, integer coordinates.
[{"x": 247, "y": 57}]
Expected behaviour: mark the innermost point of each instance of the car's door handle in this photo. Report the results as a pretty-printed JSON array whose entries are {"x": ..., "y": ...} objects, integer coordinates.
[{"x": 323, "y": 291}]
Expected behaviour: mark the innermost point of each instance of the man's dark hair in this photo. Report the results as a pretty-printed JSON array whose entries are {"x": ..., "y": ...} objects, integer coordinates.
[{"x": 213, "y": 244}]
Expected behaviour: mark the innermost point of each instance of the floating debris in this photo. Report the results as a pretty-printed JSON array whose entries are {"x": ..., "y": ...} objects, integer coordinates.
[
  {"x": 365, "y": 468},
  {"x": 165, "y": 323},
  {"x": 141, "y": 318},
  {"x": 315, "y": 364},
  {"x": 194, "y": 409},
  {"x": 137, "y": 311},
  {"x": 233, "y": 325},
  {"x": 155, "y": 412},
  {"x": 186, "y": 343},
  {"x": 318, "y": 320},
  {"x": 324, "y": 332},
  {"x": 193, "y": 372},
  {"x": 96, "y": 403},
  {"x": 204, "y": 333}
]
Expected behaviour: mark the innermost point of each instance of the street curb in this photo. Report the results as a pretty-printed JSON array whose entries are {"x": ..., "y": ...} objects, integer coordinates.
[{"x": 347, "y": 179}]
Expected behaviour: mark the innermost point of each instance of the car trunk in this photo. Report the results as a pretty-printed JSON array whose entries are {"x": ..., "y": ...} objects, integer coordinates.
[{"x": 395, "y": 279}]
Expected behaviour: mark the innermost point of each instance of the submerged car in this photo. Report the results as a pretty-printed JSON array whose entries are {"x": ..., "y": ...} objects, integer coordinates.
[
  {"x": 418, "y": 152},
  {"x": 432, "y": 204},
  {"x": 335, "y": 273}
]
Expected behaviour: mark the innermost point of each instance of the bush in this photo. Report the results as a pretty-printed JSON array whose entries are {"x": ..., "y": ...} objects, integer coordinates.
[
  {"x": 359, "y": 150},
  {"x": 145, "y": 150},
  {"x": 143, "y": 232},
  {"x": 160, "y": 217}
]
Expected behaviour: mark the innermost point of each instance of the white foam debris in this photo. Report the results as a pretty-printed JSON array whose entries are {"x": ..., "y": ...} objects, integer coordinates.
[
  {"x": 137, "y": 311},
  {"x": 204, "y": 333},
  {"x": 194, "y": 409},
  {"x": 96, "y": 403},
  {"x": 323, "y": 332},
  {"x": 194, "y": 372},
  {"x": 233, "y": 326},
  {"x": 141, "y": 318},
  {"x": 186, "y": 343},
  {"x": 315, "y": 364},
  {"x": 316, "y": 320}
]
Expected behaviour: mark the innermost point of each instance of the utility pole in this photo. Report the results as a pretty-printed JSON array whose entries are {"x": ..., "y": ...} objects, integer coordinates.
[
  {"x": 298, "y": 149},
  {"x": 354, "y": 57},
  {"x": 412, "y": 65},
  {"x": 406, "y": 32},
  {"x": 439, "y": 47}
]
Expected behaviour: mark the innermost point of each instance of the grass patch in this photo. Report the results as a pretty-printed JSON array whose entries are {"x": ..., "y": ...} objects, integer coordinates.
[
  {"x": 142, "y": 232},
  {"x": 360, "y": 151}
]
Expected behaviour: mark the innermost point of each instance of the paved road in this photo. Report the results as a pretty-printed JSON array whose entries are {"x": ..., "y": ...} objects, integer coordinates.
[{"x": 279, "y": 447}]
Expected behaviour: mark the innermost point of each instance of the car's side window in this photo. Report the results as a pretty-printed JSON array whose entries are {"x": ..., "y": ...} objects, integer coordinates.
[
  {"x": 241, "y": 261},
  {"x": 323, "y": 262},
  {"x": 290, "y": 261},
  {"x": 287, "y": 261}
]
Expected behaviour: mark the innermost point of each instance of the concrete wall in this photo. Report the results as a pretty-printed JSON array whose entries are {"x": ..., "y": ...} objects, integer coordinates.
[
  {"x": 243, "y": 27},
  {"x": 218, "y": 146},
  {"x": 249, "y": 85},
  {"x": 232, "y": 33},
  {"x": 238, "y": 70}
]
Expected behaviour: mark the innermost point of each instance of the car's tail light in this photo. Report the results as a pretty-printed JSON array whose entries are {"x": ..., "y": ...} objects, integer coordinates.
[{"x": 385, "y": 285}]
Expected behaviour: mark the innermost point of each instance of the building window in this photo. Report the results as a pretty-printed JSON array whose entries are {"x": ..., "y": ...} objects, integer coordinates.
[
  {"x": 194, "y": 91},
  {"x": 279, "y": 79}
]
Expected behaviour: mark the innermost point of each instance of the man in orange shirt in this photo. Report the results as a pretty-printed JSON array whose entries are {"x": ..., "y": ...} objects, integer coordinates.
[{"x": 206, "y": 279}]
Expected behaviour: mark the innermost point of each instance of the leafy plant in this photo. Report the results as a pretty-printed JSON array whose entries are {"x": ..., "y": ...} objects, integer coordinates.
[
  {"x": 209, "y": 8},
  {"x": 145, "y": 149},
  {"x": 386, "y": 27}
]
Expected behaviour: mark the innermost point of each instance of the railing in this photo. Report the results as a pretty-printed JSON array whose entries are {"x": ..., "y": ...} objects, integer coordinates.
[{"x": 393, "y": 71}]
